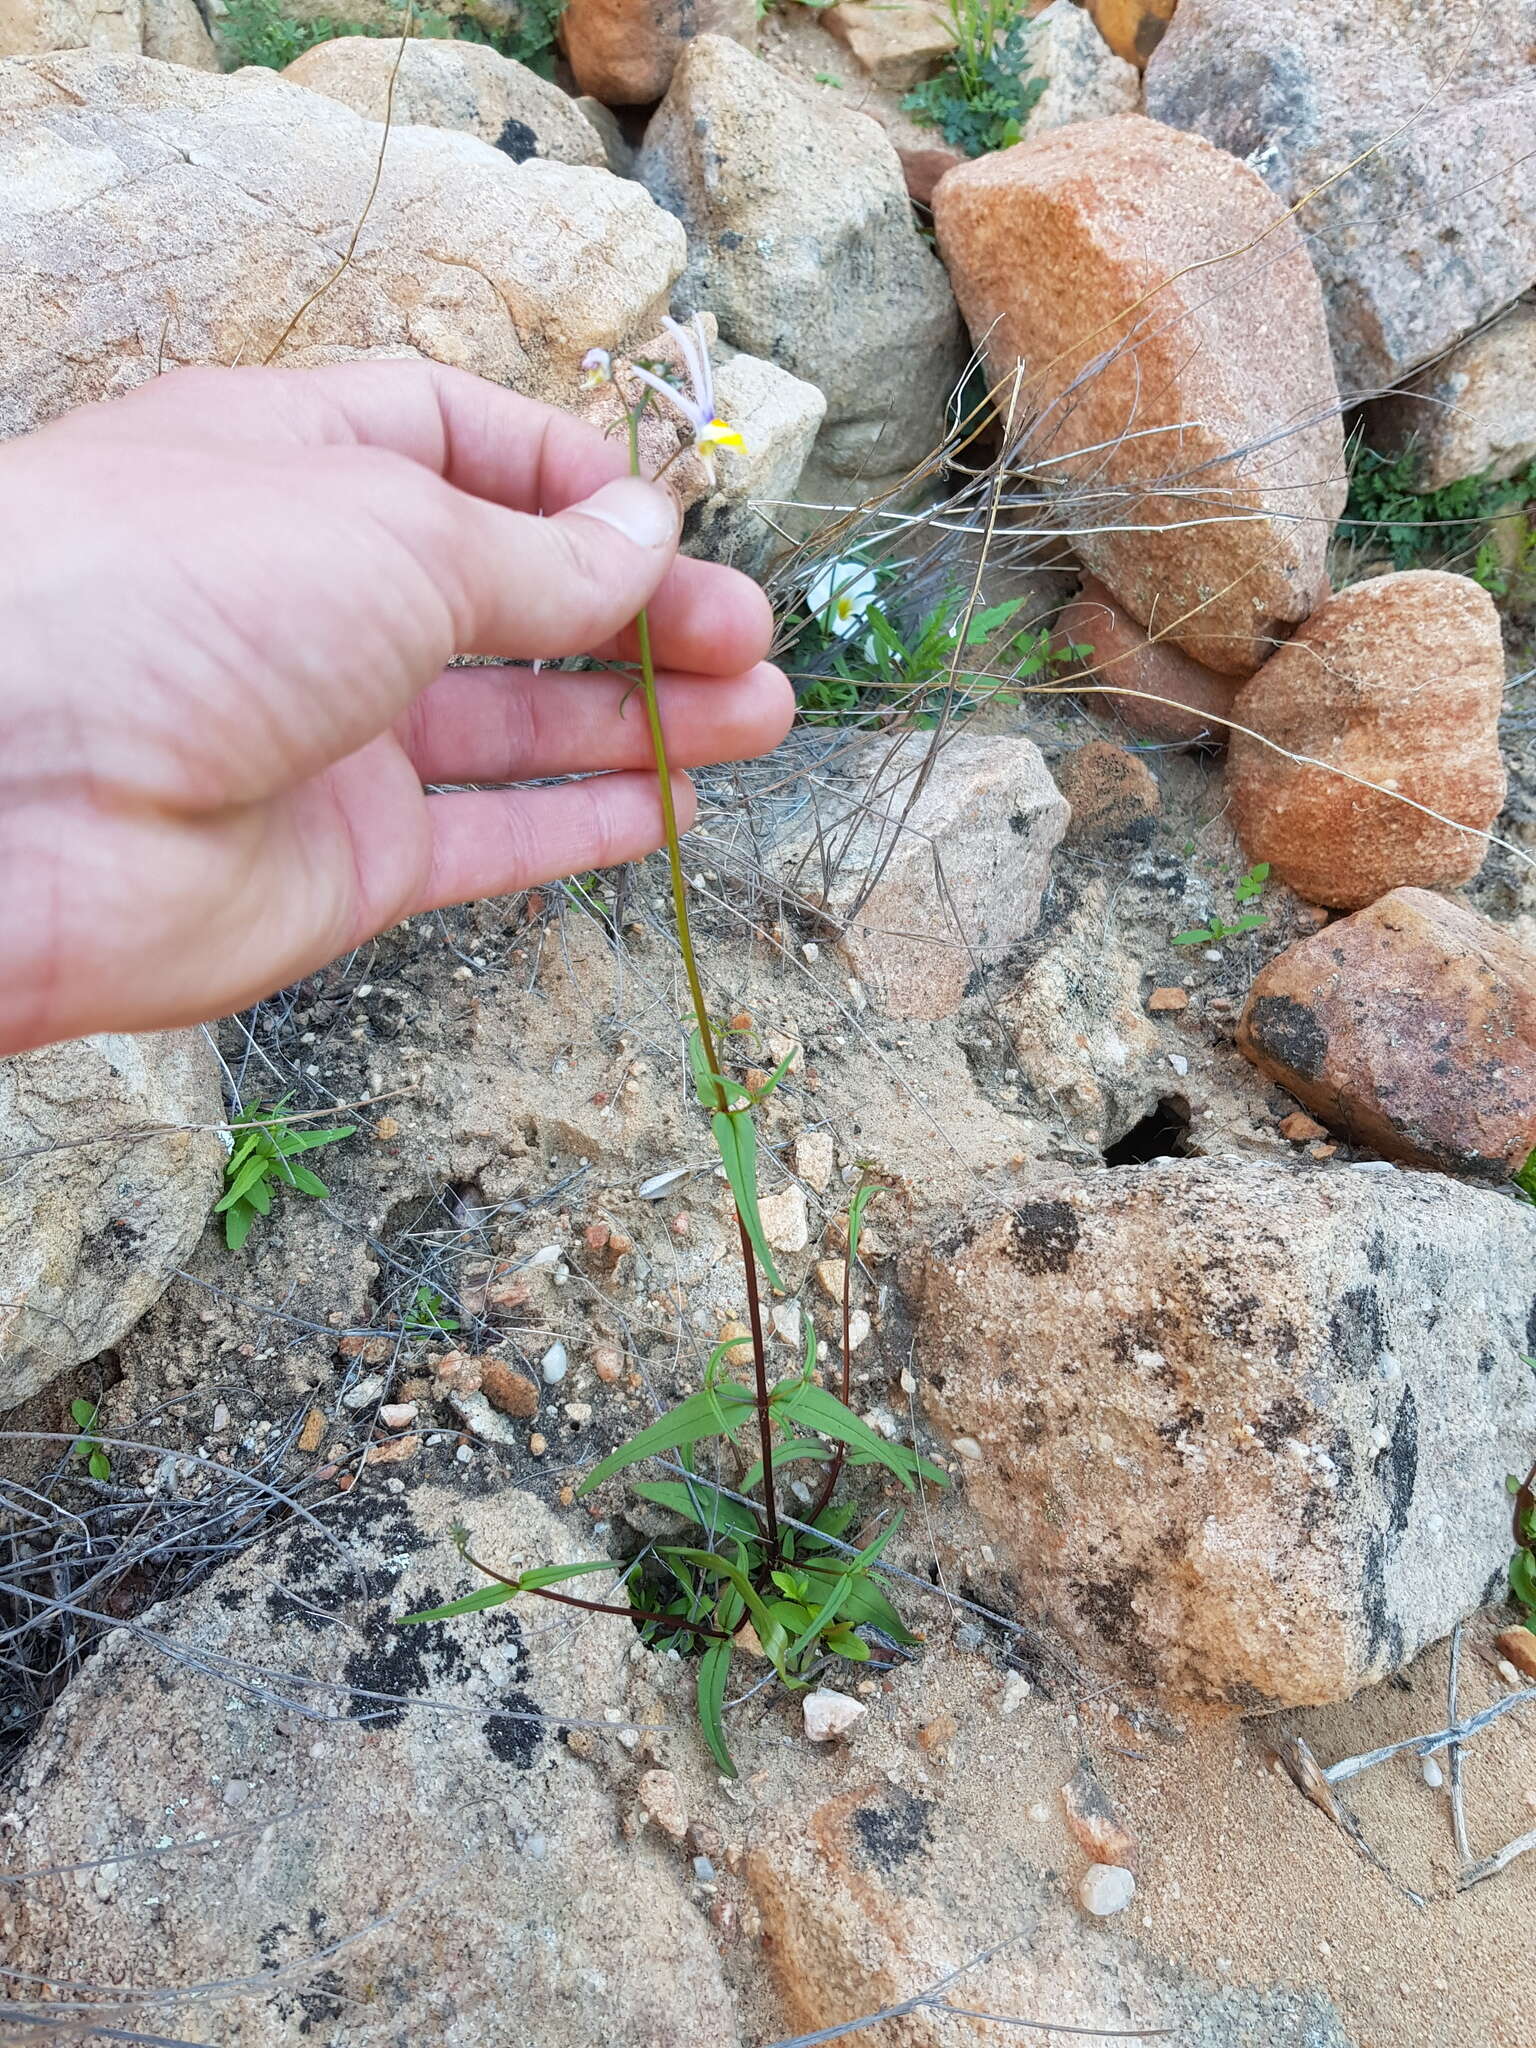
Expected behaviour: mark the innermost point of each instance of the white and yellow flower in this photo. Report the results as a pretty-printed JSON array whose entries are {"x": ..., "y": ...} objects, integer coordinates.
[
  {"x": 840, "y": 594},
  {"x": 697, "y": 405}
]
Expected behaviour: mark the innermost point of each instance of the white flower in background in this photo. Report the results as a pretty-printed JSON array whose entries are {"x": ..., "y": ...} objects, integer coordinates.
[{"x": 839, "y": 596}]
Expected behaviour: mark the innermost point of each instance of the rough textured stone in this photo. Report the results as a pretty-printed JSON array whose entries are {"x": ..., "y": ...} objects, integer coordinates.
[
  {"x": 477, "y": 1824},
  {"x": 1114, "y": 797},
  {"x": 1243, "y": 1428},
  {"x": 1397, "y": 681},
  {"x": 1435, "y": 228},
  {"x": 1470, "y": 413},
  {"x": 1409, "y": 1027},
  {"x": 795, "y": 42},
  {"x": 90, "y": 1234},
  {"x": 878, "y": 1892},
  {"x": 171, "y": 30},
  {"x": 1176, "y": 379},
  {"x": 504, "y": 20},
  {"x": 625, "y": 52},
  {"x": 443, "y": 84},
  {"x": 1132, "y": 28},
  {"x": 158, "y": 216},
  {"x": 801, "y": 241},
  {"x": 931, "y": 863},
  {"x": 898, "y": 42},
  {"x": 1123, "y": 658},
  {"x": 1085, "y": 80}
]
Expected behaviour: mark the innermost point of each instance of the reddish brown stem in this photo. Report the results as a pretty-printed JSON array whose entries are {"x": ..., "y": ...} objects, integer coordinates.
[{"x": 698, "y": 1628}]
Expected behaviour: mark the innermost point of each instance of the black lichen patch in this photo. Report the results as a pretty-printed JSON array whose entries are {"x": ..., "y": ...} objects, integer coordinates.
[
  {"x": 1290, "y": 1034},
  {"x": 1043, "y": 1236},
  {"x": 518, "y": 141},
  {"x": 1109, "y": 1607},
  {"x": 1355, "y": 1329},
  {"x": 1398, "y": 1469},
  {"x": 402, "y": 1664},
  {"x": 1282, "y": 1420},
  {"x": 514, "y": 1741},
  {"x": 893, "y": 1832}
]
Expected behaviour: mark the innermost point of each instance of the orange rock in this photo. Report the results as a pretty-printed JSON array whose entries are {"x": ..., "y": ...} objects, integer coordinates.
[
  {"x": 1112, "y": 794},
  {"x": 1396, "y": 682},
  {"x": 1132, "y": 28},
  {"x": 512, "y": 1392},
  {"x": 1409, "y": 1027},
  {"x": 1164, "y": 999},
  {"x": 1518, "y": 1647},
  {"x": 1178, "y": 385},
  {"x": 1299, "y": 1127},
  {"x": 1122, "y": 658},
  {"x": 1095, "y": 1823},
  {"x": 313, "y": 1430},
  {"x": 399, "y": 1450},
  {"x": 624, "y": 52}
]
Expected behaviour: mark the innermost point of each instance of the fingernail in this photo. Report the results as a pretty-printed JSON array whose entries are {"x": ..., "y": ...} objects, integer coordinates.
[{"x": 644, "y": 513}]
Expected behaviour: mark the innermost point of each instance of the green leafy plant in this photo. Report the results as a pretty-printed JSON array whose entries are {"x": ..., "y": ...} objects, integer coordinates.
[
  {"x": 1525, "y": 1179},
  {"x": 1418, "y": 527},
  {"x": 883, "y": 666},
  {"x": 83, "y": 1415},
  {"x": 805, "y": 1593},
  {"x": 981, "y": 98},
  {"x": 266, "y": 1148},
  {"x": 1522, "y": 1565},
  {"x": 429, "y": 1313},
  {"x": 1249, "y": 889}
]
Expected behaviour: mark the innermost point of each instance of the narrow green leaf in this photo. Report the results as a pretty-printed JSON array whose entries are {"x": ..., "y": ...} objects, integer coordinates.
[
  {"x": 864, "y": 1194},
  {"x": 690, "y": 1422},
  {"x": 306, "y": 1182},
  {"x": 237, "y": 1225},
  {"x": 867, "y": 1606},
  {"x": 702, "y": 1503},
  {"x": 290, "y": 1142},
  {"x": 816, "y": 1409},
  {"x": 557, "y": 1574},
  {"x": 737, "y": 1141},
  {"x": 714, "y": 1671},
  {"x": 769, "y": 1634},
  {"x": 472, "y": 1603},
  {"x": 250, "y": 1176},
  {"x": 259, "y": 1196}
]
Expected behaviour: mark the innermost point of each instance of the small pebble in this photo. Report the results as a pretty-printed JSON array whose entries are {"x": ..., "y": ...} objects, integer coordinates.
[
  {"x": 1508, "y": 1672},
  {"x": 538, "y": 1444},
  {"x": 1105, "y": 1888},
  {"x": 463, "y": 1454},
  {"x": 368, "y": 1389},
  {"x": 396, "y": 1414},
  {"x": 1433, "y": 1776},
  {"x": 967, "y": 1447},
  {"x": 220, "y": 1417},
  {"x": 1016, "y": 1690},
  {"x": 830, "y": 1714},
  {"x": 554, "y": 1364},
  {"x": 608, "y": 1363}
]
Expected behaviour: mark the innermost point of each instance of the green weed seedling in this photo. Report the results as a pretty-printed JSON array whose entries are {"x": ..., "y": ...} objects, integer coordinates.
[
  {"x": 428, "y": 1314},
  {"x": 1248, "y": 890},
  {"x": 806, "y": 1593},
  {"x": 266, "y": 1147},
  {"x": 1522, "y": 1565},
  {"x": 83, "y": 1415},
  {"x": 1525, "y": 1179},
  {"x": 982, "y": 97},
  {"x": 1418, "y": 528}
]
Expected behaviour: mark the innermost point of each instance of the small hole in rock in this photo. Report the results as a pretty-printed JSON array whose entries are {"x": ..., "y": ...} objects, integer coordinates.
[{"x": 1163, "y": 1133}]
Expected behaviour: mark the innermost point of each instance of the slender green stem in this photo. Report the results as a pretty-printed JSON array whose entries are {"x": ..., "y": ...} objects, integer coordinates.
[{"x": 701, "y": 1014}]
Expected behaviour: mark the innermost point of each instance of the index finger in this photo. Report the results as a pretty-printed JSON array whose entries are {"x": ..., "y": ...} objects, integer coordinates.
[{"x": 490, "y": 443}]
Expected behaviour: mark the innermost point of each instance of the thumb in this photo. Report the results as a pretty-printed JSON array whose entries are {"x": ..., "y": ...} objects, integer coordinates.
[{"x": 532, "y": 586}]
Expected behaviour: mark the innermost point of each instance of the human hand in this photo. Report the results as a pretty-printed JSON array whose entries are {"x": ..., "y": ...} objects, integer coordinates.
[{"x": 227, "y": 602}]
